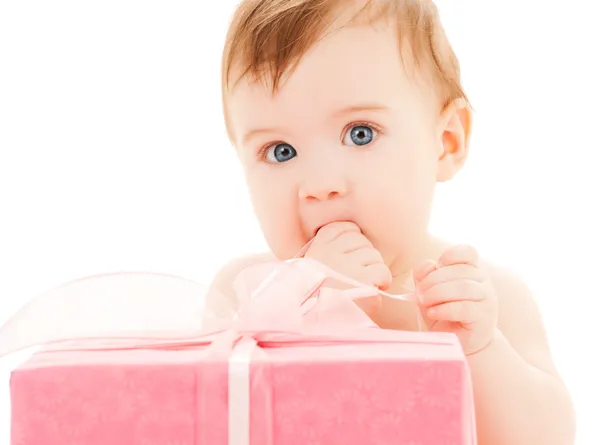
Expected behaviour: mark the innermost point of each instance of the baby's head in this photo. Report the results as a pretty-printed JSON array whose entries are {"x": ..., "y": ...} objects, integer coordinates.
[{"x": 344, "y": 110}]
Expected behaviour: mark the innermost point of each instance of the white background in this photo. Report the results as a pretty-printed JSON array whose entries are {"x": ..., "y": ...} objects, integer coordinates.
[{"x": 113, "y": 154}]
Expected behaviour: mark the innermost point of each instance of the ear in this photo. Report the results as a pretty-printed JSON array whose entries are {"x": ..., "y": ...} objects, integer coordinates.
[{"x": 454, "y": 131}]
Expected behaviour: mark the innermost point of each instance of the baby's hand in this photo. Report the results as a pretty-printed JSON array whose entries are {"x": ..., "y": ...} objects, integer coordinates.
[
  {"x": 342, "y": 247},
  {"x": 456, "y": 295}
]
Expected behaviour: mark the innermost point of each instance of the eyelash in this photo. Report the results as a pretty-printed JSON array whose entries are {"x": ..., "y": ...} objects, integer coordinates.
[
  {"x": 262, "y": 150},
  {"x": 371, "y": 125}
]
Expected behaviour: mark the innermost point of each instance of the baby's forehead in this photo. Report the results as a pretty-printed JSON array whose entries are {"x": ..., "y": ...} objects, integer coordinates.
[{"x": 356, "y": 67}]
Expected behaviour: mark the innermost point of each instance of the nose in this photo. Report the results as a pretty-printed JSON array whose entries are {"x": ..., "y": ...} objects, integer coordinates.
[{"x": 324, "y": 184}]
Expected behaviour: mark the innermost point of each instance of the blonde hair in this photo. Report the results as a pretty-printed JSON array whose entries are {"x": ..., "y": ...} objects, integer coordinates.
[{"x": 267, "y": 39}]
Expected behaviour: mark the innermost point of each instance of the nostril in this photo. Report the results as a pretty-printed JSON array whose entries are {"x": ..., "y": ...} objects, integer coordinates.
[
  {"x": 322, "y": 197},
  {"x": 323, "y": 193}
]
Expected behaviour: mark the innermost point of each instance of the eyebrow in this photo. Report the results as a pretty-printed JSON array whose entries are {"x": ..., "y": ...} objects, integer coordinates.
[
  {"x": 359, "y": 108},
  {"x": 257, "y": 132},
  {"x": 338, "y": 113}
]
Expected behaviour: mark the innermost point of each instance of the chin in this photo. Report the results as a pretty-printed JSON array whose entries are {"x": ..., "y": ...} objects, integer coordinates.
[{"x": 397, "y": 252}]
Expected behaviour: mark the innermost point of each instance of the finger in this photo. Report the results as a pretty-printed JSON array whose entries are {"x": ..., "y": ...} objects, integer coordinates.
[
  {"x": 378, "y": 275},
  {"x": 456, "y": 311},
  {"x": 459, "y": 255},
  {"x": 331, "y": 231},
  {"x": 460, "y": 290},
  {"x": 349, "y": 242},
  {"x": 366, "y": 256},
  {"x": 424, "y": 270},
  {"x": 452, "y": 273}
]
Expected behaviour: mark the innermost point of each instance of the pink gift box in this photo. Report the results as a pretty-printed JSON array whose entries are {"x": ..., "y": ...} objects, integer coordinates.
[{"x": 411, "y": 389}]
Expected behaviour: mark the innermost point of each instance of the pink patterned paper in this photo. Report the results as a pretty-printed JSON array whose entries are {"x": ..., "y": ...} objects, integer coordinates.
[{"x": 413, "y": 392}]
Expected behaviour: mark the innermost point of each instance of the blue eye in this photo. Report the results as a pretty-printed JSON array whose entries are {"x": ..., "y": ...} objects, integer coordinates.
[
  {"x": 280, "y": 153},
  {"x": 359, "y": 135}
]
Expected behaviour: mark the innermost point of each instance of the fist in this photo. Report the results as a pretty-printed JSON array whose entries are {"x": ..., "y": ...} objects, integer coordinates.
[
  {"x": 341, "y": 246},
  {"x": 455, "y": 295}
]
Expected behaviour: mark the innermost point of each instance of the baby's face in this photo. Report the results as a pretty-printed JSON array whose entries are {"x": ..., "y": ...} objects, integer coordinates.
[{"x": 349, "y": 136}]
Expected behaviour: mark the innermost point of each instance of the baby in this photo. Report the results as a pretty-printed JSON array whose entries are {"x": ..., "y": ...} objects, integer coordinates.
[{"x": 345, "y": 115}]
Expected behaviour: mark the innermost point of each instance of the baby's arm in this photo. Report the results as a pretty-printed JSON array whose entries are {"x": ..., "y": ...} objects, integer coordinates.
[{"x": 519, "y": 395}]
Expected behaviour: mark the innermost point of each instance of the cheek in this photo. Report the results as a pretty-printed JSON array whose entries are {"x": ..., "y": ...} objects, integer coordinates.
[
  {"x": 405, "y": 173},
  {"x": 397, "y": 201},
  {"x": 415, "y": 187},
  {"x": 401, "y": 197},
  {"x": 275, "y": 204}
]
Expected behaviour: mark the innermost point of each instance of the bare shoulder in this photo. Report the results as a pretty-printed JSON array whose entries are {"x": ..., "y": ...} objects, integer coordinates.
[
  {"x": 222, "y": 300},
  {"x": 520, "y": 319}
]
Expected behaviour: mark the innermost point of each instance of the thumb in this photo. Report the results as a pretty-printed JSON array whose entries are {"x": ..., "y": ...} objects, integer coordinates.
[
  {"x": 421, "y": 272},
  {"x": 419, "y": 275}
]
